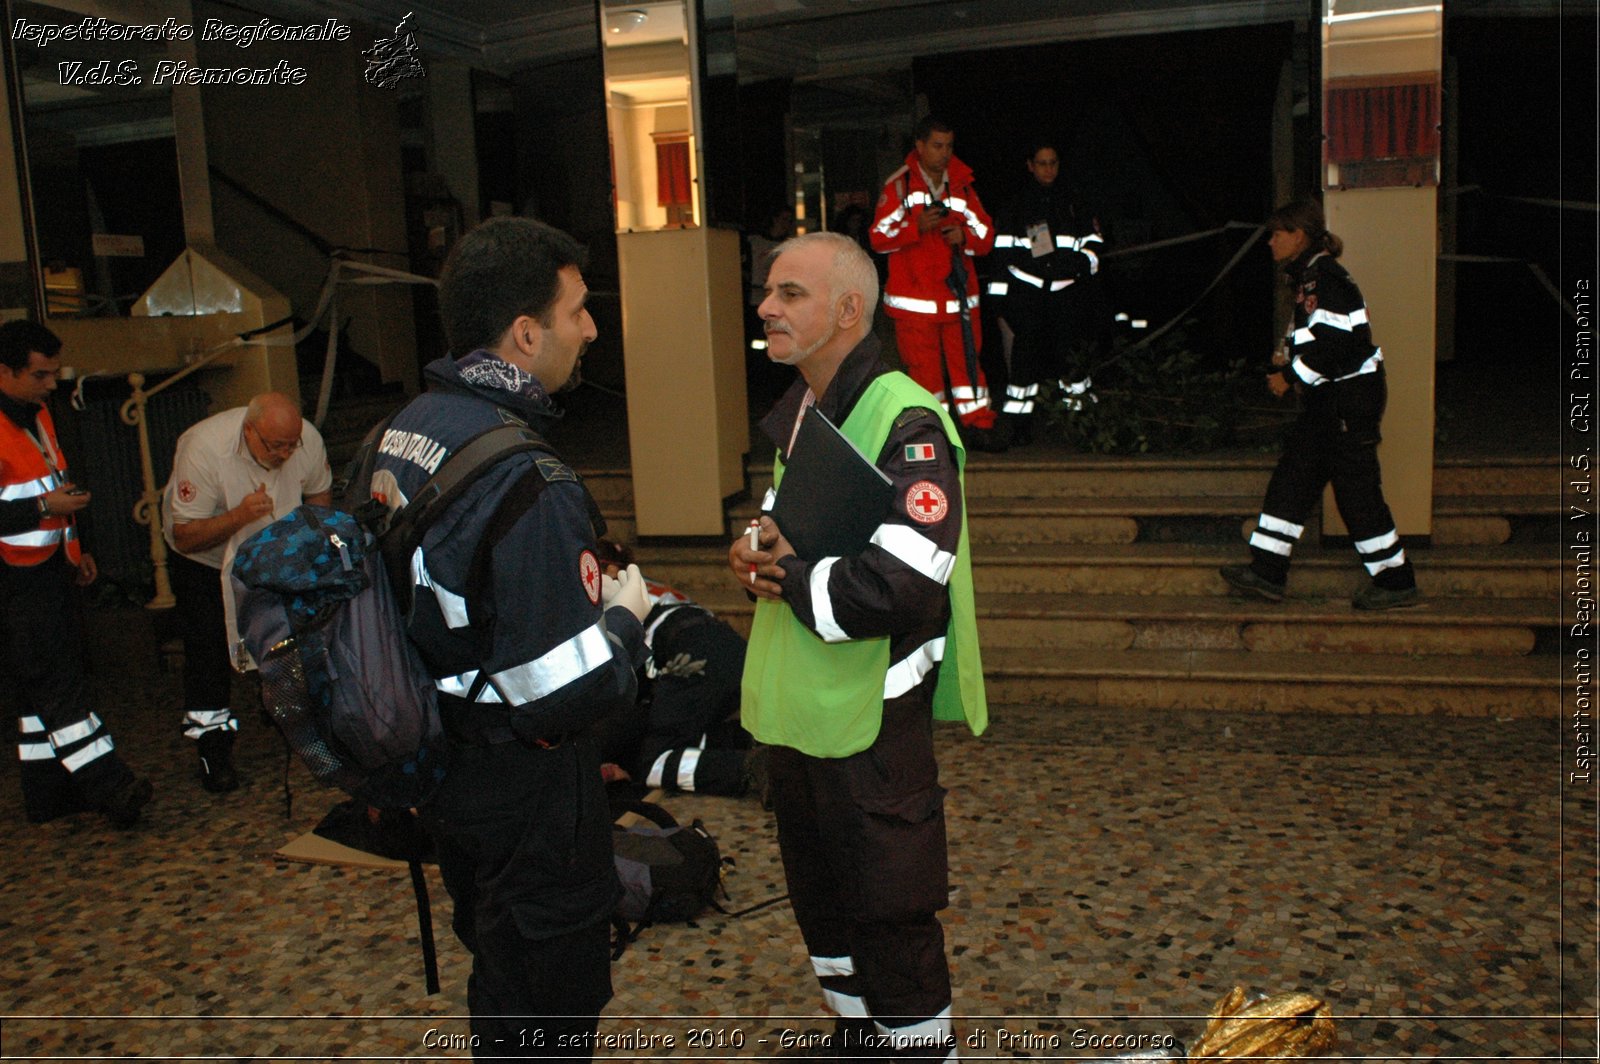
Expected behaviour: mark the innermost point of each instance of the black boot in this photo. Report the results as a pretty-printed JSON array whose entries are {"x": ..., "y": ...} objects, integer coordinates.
[
  {"x": 122, "y": 809},
  {"x": 216, "y": 762},
  {"x": 1021, "y": 428}
]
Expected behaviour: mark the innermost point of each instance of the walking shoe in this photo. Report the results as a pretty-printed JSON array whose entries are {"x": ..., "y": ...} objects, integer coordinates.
[
  {"x": 1021, "y": 426},
  {"x": 1246, "y": 581},
  {"x": 122, "y": 809},
  {"x": 1373, "y": 597},
  {"x": 216, "y": 762}
]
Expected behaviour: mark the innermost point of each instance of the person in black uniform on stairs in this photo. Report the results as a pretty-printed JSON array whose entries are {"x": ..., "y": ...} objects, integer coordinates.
[
  {"x": 1329, "y": 357},
  {"x": 1047, "y": 290}
]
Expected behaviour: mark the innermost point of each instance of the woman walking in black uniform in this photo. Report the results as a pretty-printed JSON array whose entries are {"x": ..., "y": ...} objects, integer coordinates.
[{"x": 1331, "y": 359}]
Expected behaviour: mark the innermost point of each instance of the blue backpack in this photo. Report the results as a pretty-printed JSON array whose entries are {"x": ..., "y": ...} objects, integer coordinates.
[{"x": 322, "y": 594}]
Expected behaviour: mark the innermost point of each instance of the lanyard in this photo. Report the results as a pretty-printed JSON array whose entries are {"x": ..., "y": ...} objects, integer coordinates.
[{"x": 47, "y": 452}]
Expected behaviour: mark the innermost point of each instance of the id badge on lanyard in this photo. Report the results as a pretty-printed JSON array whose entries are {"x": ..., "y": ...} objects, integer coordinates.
[{"x": 1040, "y": 242}]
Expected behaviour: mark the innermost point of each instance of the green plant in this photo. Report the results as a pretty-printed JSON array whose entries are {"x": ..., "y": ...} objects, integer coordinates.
[{"x": 1161, "y": 398}]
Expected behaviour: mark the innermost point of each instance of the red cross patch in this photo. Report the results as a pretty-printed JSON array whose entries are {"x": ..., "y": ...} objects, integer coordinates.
[
  {"x": 589, "y": 573},
  {"x": 926, "y": 502},
  {"x": 186, "y": 492}
]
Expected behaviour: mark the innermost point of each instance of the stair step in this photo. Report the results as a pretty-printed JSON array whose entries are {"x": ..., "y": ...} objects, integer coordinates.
[
  {"x": 999, "y": 477},
  {"x": 1277, "y": 682},
  {"x": 1454, "y": 626},
  {"x": 1497, "y": 476},
  {"x": 1458, "y": 520},
  {"x": 1013, "y": 476},
  {"x": 1510, "y": 570}
]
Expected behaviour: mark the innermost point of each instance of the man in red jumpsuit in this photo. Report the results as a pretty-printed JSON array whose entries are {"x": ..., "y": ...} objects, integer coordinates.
[{"x": 928, "y": 219}]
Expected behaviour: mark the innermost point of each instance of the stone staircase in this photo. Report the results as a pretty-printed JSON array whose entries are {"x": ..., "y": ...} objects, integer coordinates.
[{"x": 1097, "y": 585}]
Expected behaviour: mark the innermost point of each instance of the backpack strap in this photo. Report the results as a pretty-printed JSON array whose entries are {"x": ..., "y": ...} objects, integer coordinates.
[
  {"x": 648, "y": 810},
  {"x": 407, "y": 527}
]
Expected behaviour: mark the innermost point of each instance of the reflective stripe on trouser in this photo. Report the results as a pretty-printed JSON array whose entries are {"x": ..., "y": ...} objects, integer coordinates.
[
  {"x": 863, "y": 846},
  {"x": 930, "y": 1039},
  {"x": 1334, "y": 441},
  {"x": 1019, "y": 399},
  {"x": 933, "y": 350},
  {"x": 75, "y": 745},
  {"x": 198, "y": 722},
  {"x": 68, "y": 760}
]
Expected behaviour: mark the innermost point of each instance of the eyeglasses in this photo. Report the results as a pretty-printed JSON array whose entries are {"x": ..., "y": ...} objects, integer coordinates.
[{"x": 279, "y": 447}]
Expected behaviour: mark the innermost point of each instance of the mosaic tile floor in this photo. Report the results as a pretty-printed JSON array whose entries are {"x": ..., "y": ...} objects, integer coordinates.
[{"x": 1114, "y": 875}]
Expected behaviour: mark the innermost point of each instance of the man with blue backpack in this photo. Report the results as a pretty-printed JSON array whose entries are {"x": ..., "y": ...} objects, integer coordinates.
[{"x": 528, "y": 643}]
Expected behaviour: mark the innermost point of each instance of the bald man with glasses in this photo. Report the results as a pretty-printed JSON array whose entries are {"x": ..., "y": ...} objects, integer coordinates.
[{"x": 233, "y": 473}]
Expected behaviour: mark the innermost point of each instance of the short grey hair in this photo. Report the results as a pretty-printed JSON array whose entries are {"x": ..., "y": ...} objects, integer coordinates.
[{"x": 852, "y": 271}]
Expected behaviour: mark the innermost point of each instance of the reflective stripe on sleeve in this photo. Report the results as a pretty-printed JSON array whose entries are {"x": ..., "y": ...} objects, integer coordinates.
[
  {"x": 1369, "y": 366},
  {"x": 919, "y": 552},
  {"x": 451, "y": 605},
  {"x": 1305, "y": 372},
  {"x": 927, "y": 306},
  {"x": 532, "y": 680},
  {"x": 36, "y": 751},
  {"x": 1342, "y": 322},
  {"x": 822, "y": 604},
  {"x": 905, "y": 674},
  {"x": 576, "y": 658}
]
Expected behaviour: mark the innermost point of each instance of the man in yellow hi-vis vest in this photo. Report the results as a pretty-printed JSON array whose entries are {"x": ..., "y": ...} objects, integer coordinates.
[{"x": 850, "y": 660}]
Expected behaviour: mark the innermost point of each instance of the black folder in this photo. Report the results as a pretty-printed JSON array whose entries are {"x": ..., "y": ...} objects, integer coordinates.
[{"x": 832, "y": 497}]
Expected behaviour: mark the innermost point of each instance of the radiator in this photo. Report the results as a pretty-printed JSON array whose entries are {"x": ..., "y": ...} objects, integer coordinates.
[{"x": 103, "y": 456}]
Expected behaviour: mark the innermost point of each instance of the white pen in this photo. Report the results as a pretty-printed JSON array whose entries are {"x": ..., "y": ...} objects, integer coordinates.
[{"x": 755, "y": 544}]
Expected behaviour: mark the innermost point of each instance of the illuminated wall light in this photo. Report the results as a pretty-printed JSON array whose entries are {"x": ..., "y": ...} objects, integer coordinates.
[{"x": 626, "y": 21}]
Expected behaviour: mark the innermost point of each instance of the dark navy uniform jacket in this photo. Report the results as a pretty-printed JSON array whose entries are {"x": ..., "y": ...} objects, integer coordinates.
[
  {"x": 530, "y": 636},
  {"x": 1331, "y": 339}
]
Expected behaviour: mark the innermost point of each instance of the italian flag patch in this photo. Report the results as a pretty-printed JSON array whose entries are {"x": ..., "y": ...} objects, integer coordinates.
[{"x": 919, "y": 452}]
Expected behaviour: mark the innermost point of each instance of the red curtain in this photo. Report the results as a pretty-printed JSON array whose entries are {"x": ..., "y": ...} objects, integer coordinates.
[
  {"x": 1383, "y": 122},
  {"x": 672, "y": 173}
]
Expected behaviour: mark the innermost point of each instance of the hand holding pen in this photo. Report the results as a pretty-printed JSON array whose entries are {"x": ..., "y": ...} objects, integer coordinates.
[{"x": 753, "y": 556}]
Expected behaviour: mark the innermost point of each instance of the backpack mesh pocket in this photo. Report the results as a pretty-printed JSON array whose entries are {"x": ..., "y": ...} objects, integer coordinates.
[{"x": 294, "y": 691}]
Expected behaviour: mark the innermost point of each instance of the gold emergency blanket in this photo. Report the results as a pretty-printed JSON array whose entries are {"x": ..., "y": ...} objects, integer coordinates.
[{"x": 1274, "y": 1029}]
